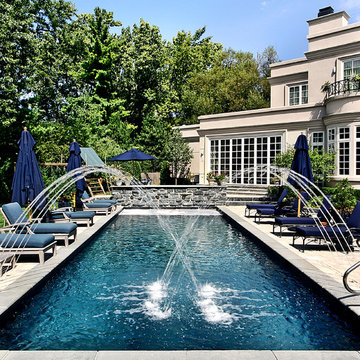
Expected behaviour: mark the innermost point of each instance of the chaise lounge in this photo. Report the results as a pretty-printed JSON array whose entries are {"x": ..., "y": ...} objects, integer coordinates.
[
  {"x": 336, "y": 234},
  {"x": 15, "y": 217},
  {"x": 263, "y": 212},
  {"x": 27, "y": 244},
  {"x": 78, "y": 217},
  {"x": 99, "y": 206},
  {"x": 255, "y": 207},
  {"x": 293, "y": 221}
]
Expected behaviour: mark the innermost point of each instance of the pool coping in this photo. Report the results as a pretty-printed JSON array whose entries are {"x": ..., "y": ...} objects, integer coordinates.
[{"x": 29, "y": 283}]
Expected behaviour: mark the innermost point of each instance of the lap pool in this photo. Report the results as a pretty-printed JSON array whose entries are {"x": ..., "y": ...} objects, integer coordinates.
[{"x": 241, "y": 298}]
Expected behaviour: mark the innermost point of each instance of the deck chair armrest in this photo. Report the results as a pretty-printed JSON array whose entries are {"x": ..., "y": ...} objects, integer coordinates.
[
  {"x": 8, "y": 228},
  {"x": 65, "y": 208}
]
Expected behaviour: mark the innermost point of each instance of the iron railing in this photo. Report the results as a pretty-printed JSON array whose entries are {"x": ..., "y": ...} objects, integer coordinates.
[{"x": 341, "y": 87}]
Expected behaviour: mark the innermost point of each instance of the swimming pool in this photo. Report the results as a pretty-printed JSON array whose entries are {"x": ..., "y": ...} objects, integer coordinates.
[{"x": 99, "y": 300}]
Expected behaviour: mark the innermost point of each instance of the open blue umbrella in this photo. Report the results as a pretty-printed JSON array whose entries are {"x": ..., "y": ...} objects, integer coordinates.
[
  {"x": 74, "y": 162},
  {"x": 27, "y": 182},
  {"x": 301, "y": 163},
  {"x": 133, "y": 155}
]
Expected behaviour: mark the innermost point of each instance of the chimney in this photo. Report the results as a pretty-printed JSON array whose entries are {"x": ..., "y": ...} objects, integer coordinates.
[{"x": 325, "y": 11}]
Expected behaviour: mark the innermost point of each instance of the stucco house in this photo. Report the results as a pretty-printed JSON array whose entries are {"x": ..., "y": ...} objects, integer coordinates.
[{"x": 232, "y": 143}]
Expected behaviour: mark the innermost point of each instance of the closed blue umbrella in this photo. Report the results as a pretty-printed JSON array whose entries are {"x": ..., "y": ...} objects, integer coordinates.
[
  {"x": 74, "y": 162},
  {"x": 27, "y": 182},
  {"x": 301, "y": 163},
  {"x": 133, "y": 155}
]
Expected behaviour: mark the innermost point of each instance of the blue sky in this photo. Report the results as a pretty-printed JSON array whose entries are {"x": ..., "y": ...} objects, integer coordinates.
[{"x": 246, "y": 25}]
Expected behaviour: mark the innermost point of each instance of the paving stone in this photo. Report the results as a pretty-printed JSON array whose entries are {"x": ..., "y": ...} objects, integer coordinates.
[
  {"x": 231, "y": 355},
  {"x": 317, "y": 355},
  {"x": 141, "y": 355},
  {"x": 51, "y": 355}
]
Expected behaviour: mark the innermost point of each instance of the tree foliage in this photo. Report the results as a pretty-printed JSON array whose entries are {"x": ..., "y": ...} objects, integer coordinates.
[
  {"x": 66, "y": 75},
  {"x": 322, "y": 163}
]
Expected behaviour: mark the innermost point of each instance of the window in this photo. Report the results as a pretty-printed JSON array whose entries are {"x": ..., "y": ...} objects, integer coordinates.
[
  {"x": 331, "y": 140},
  {"x": 357, "y": 150},
  {"x": 317, "y": 141},
  {"x": 245, "y": 160},
  {"x": 298, "y": 94},
  {"x": 344, "y": 150},
  {"x": 351, "y": 68}
]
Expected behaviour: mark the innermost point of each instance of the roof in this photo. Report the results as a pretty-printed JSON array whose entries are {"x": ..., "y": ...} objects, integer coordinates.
[{"x": 90, "y": 157}]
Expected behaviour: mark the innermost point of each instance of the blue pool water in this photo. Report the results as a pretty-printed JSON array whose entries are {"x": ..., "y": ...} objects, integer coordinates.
[{"x": 243, "y": 300}]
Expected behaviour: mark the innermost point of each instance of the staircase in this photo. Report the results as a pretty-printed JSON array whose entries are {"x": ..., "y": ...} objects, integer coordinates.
[
  {"x": 237, "y": 195},
  {"x": 95, "y": 186}
]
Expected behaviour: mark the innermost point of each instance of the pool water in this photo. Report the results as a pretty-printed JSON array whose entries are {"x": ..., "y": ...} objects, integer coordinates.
[{"x": 98, "y": 301}]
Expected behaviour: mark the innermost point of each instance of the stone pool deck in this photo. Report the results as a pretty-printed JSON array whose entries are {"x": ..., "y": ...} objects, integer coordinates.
[{"x": 323, "y": 267}]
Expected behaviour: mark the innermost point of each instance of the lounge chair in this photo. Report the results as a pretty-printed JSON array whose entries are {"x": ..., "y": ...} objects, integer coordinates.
[
  {"x": 99, "y": 206},
  {"x": 335, "y": 234},
  {"x": 29, "y": 244},
  {"x": 263, "y": 212},
  {"x": 78, "y": 217},
  {"x": 293, "y": 221},
  {"x": 15, "y": 217},
  {"x": 255, "y": 207},
  {"x": 86, "y": 198}
]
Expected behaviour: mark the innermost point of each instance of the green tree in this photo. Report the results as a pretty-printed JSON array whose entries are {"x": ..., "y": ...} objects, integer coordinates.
[
  {"x": 143, "y": 71},
  {"x": 178, "y": 154},
  {"x": 231, "y": 84},
  {"x": 322, "y": 163},
  {"x": 264, "y": 60},
  {"x": 189, "y": 55}
]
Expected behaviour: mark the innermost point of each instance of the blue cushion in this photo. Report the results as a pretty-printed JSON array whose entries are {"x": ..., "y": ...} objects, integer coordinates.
[
  {"x": 295, "y": 220},
  {"x": 313, "y": 231},
  {"x": 112, "y": 202},
  {"x": 14, "y": 213},
  {"x": 260, "y": 206},
  {"x": 53, "y": 228},
  {"x": 98, "y": 205},
  {"x": 80, "y": 214},
  {"x": 26, "y": 240}
]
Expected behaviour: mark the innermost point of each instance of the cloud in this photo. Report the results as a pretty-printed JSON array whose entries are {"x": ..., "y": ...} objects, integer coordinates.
[{"x": 264, "y": 3}]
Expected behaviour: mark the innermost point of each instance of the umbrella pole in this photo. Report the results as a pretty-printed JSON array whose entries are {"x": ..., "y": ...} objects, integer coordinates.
[{"x": 299, "y": 206}]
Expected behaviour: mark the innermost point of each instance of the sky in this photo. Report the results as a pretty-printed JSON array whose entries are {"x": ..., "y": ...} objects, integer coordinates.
[{"x": 243, "y": 25}]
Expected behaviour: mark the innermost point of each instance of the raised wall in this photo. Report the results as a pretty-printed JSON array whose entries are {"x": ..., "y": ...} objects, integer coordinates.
[{"x": 168, "y": 196}]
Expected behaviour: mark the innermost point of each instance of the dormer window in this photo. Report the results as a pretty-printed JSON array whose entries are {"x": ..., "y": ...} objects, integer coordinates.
[{"x": 298, "y": 94}]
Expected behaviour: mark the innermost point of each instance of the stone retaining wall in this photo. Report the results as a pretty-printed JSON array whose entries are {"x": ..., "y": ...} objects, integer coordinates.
[{"x": 169, "y": 196}]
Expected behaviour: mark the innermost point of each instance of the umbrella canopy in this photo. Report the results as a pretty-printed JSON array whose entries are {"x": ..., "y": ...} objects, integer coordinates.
[
  {"x": 301, "y": 162},
  {"x": 74, "y": 162},
  {"x": 132, "y": 155},
  {"x": 27, "y": 182}
]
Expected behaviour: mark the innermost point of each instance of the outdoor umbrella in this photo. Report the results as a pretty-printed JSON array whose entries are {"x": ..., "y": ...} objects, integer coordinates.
[
  {"x": 133, "y": 155},
  {"x": 301, "y": 163},
  {"x": 27, "y": 182},
  {"x": 74, "y": 162}
]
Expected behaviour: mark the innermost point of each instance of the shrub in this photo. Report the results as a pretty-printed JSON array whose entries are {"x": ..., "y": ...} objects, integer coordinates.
[{"x": 344, "y": 198}]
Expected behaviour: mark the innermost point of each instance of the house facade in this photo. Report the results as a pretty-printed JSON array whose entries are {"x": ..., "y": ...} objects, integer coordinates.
[{"x": 317, "y": 95}]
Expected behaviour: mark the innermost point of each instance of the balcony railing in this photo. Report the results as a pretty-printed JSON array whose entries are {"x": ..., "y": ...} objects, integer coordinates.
[{"x": 341, "y": 87}]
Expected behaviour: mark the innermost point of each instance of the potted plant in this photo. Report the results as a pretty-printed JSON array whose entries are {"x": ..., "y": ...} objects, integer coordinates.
[
  {"x": 356, "y": 82},
  {"x": 219, "y": 178},
  {"x": 325, "y": 87},
  {"x": 210, "y": 178}
]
